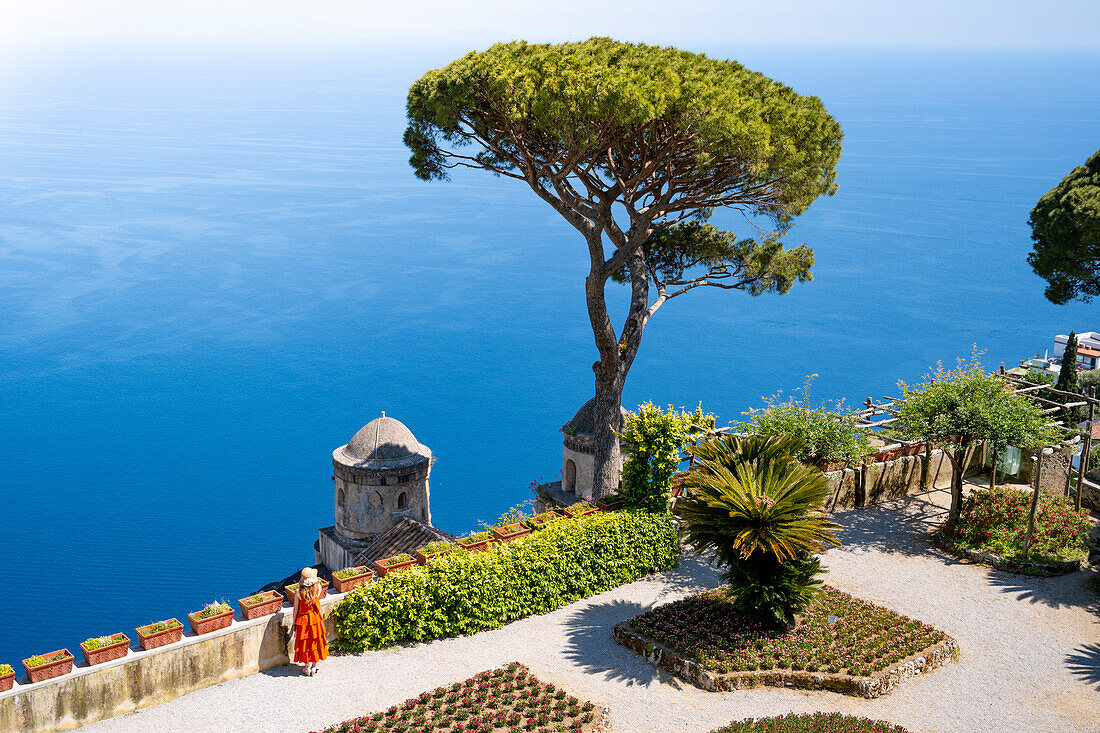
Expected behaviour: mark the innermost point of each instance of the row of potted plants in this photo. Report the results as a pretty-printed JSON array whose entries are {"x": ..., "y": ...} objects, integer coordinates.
[
  {"x": 888, "y": 454},
  {"x": 219, "y": 614}
]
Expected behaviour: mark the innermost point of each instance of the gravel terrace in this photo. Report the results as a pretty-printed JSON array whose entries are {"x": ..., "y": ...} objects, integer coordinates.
[{"x": 1030, "y": 652}]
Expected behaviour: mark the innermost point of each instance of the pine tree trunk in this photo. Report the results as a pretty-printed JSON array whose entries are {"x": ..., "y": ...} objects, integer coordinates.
[{"x": 609, "y": 423}]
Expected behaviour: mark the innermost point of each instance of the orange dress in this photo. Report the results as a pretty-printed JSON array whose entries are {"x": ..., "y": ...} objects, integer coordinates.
[{"x": 310, "y": 644}]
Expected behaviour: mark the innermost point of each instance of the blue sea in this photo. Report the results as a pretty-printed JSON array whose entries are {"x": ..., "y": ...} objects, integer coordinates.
[{"x": 215, "y": 266}]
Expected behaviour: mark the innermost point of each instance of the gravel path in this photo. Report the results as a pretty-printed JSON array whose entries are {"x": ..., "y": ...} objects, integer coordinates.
[{"x": 1030, "y": 652}]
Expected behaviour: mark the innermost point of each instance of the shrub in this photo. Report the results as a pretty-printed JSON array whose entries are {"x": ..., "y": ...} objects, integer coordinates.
[
  {"x": 759, "y": 509},
  {"x": 828, "y": 434},
  {"x": 656, "y": 439},
  {"x": 811, "y": 723},
  {"x": 463, "y": 593},
  {"x": 996, "y": 521}
]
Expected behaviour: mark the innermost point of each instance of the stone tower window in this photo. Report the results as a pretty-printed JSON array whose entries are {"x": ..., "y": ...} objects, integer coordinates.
[
  {"x": 402, "y": 500},
  {"x": 570, "y": 475}
]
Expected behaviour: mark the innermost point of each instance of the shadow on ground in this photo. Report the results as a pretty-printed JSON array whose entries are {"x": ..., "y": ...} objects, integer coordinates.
[
  {"x": 591, "y": 646},
  {"x": 903, "y": 526},
  {"x": 1084, "y": 662},
  {"x": 1065, "y": 591}
]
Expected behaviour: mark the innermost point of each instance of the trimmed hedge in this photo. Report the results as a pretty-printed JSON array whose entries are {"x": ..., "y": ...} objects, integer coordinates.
[{"x": 463, "y": 593}]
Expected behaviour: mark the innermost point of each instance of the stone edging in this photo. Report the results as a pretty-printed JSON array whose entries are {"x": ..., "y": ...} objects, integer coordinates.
[
  {"x": 1045, "y": 569},
  {"x": 876, "y": 685}
]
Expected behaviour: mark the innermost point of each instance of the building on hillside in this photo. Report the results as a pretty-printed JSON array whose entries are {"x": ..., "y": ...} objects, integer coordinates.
[
  {"x": 1088, "y": 348},
  {"x": 382, "y": 498},
  {"x": 578, "y": 452}
]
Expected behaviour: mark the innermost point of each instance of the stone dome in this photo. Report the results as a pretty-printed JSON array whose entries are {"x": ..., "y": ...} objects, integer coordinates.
[
  {"x": 383, "y": 443},
  {"x": 584, "y": 422}
]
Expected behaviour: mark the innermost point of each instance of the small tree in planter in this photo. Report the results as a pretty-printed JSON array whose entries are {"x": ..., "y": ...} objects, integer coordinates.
[
  {"x": 759, "y": 509},
  {"x": 656, "y": 439},
  {"x": 959, "y": 408},
  {"x": 105, "y": 648},
  {"x": 159, "y": 633},
  {"x": 7, "y": 677},
  {"x": 214, "y": 616},
  {"x": 47, "y": 666},
  {"x": 829, "y": 434},
  {"x": 348, "y": 579},
  {"x": 260, "y": 604}
]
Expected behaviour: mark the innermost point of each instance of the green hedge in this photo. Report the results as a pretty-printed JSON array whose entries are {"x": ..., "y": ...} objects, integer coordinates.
[{"x": 462, "y": 593}]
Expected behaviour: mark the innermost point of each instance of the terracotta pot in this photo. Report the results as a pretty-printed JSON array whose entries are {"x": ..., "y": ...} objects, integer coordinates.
[
  {"x": 479, "y": 546},
  {"x": 210, "y": 623},
  {"x": 293, "y": 588},
  {"x": 579, "y": 510},
  {"x": 115, "y": 650},
  {"x": 160, "y": 638},
  {"x": 384, "y": 570},
  {"x": 610, "y": 503},
  {"x": 423, "y": 558},
  {"x": 830, "y": 466},
  {"x": 7, "y": 681},
  {"x": 677, "y": 491},
  {"x": 269, "y": 605},
  {"x": 511, "y": 532},
  {"x": 541, "y": 520},
  {"x": 49, "y": 670},
  {"x": 343, "y": 585}
]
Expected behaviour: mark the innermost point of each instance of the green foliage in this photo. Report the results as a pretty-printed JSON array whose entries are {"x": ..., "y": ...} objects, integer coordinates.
[
  {"x": 1088, "y": 378},
  {"x": 518, "y": 513},
  {"x": 1067, "y": 374},
  {"x": 212, "y": 609},
  {"x": 345, "y": 573},
  {"x": 463, "y": 593},
  {"x": 1037, "y": 376},
  {"x": 99, "y": 642},
  {"x": 829, "y": 434},
  {"x": 6, "y": 669},
  {"x": 396, "y": 559},
  {"x": 967, "y": 404},
  {"x": 811, "y": 723},
  {"x": 474, "y": 537},
  {"x": 438, "y": 546},
  {"x": 38, "y": 660},
  {"x": 656, "y": 439},
  {"x": 759, "y": 509},
  {"x": 1065, "y": 226},
  {"x": 862, "y": 638},
  {"x": 996, "y": 521},
  {"x": 541, "y": 520},
  {"x": 158, "y": 626}
]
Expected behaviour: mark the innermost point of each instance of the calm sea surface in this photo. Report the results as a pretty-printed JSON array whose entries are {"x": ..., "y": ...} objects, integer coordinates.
[{"x": 214, "y": 269}]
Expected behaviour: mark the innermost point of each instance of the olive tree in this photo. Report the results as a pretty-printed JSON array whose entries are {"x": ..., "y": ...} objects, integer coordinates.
[
  {"x": 634, "y": 146},
  {"x": 959, "y": 408}
]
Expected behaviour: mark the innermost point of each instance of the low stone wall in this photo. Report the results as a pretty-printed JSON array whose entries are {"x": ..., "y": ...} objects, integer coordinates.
[
  {"x": 879, "y": 482},
  {"x": 1001, "y": 563},
  {"x": 876, "y": 685},
  {"x": 143, "y": 678}
]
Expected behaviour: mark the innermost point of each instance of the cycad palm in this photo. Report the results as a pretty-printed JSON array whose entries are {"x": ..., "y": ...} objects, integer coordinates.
[{"x": 759, "y": 509}]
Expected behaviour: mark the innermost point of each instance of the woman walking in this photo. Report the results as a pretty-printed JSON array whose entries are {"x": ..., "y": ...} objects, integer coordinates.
[{"x": 310, "y": 644}]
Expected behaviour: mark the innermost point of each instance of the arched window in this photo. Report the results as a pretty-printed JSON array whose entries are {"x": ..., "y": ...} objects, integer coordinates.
[
  {"x": 570, "y": 475},
  {"x": 341, "y": 502},
  {"x": 402, "y": 500}
]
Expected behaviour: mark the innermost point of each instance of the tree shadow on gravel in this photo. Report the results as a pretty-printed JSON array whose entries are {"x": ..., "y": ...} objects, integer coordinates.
[
  {"x": 903, "y": 526},
  {"x": 1064, "y": 591},
  {"x": 591, "y": 647},
  {"x": 1084, "y": 662}
]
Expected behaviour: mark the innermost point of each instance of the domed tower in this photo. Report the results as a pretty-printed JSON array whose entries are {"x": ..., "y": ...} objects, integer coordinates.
[
  {"x": 578, "y": 451},
  {"x": 381, "y": 479}
]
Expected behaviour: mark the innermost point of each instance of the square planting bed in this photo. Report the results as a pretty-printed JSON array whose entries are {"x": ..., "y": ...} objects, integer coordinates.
[
  {"x": 840, "y": 643},
  {"x": 504, "y": 700}
]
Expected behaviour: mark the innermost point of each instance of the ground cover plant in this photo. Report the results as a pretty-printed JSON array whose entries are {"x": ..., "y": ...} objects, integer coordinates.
[
  {"x": 358, "y": 570},
  {"x": 158, "y": 626},
  {"x": 464, "y": 592},
  {"x": 811, "y": 723},
  {"x": 5, "y": 669},
  {"x": 102, "y": 641},
  {"x": 505, "y": 700},
  {"x": 212, "y": 609},
  {"x": 837, "y": 633},
  {"x": 995, "y": 521},
  {"x": 39, "y": 659}
]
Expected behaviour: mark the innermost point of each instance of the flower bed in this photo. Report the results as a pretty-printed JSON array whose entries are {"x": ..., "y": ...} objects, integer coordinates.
[
  {"x": 993, "y": 523},
  {"x": 811, "y": 723},
  {"x": 841, "y": 643},
  {"x": 504, "y": 700}
]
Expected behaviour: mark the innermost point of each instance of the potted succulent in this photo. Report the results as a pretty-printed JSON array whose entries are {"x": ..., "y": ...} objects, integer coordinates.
[
  {"x": 476, "y": 541},
  {"x": 541, "y": 520},
  {"x": 159, "y": 633},
  {"x": 214, "y": 616},
  {"x": 610, "y": 503},
  {"x": 439, "y": 548},
  {"x": 7, "y": 677},
  {"x": 98, "y": 650},
  {"x": 509, "y": 532},
  {"x": 292, "y": 589},
  {"x": 47, "y": 666},
  {"x": 579, "y": 509},
  {"x": 388, "y": 565},
  {"x": 351, "y": 578},
  {"x": 260, "y": 604}
]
